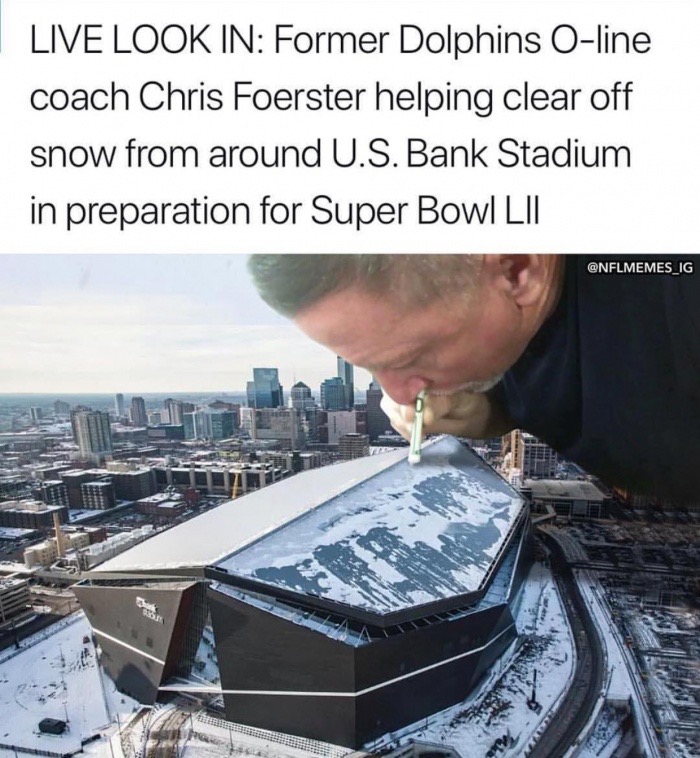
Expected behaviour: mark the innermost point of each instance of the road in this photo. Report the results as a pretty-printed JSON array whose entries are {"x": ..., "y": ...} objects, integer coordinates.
[{"x": 577, "y": 706}]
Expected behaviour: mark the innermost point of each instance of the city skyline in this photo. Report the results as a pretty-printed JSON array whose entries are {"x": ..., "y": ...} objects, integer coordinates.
[{"x": 144, "y": 324}]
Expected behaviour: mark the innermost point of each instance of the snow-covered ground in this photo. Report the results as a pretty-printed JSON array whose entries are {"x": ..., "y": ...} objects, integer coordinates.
[
  {"x": 499, "y": 706},
  {"x": 606, "y": 736},
  {"x": 55, "y": 675},
  {"x": 205, "y": 737},
  {"x": 623, "y": 679},
  {"x": 669, "y": 679}
]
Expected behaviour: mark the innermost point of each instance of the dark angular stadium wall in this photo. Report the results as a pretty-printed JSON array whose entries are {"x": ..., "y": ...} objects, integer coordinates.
[
  {"x": 525, "y": 561},
  {"x": 432, "y": 687},
  {"x": 397, "y": 705},
  {"x": 259, "y": 651},
  {"x": 113, "y": 610}
]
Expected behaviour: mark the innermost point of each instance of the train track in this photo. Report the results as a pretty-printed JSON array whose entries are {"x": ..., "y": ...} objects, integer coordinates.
[{"x": 164, "y": 737}]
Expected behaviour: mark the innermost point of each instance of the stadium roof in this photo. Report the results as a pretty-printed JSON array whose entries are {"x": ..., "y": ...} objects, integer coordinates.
[
  {"x": 406, "y": 536},
  {"x": 213, "y": 535}
]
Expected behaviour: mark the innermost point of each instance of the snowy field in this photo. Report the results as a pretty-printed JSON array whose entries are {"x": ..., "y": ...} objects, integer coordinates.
[{"x": 58, "y": 677}]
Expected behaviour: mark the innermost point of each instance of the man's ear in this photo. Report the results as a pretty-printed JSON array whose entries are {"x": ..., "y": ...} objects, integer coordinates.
[{"x": 522, "y": 278}]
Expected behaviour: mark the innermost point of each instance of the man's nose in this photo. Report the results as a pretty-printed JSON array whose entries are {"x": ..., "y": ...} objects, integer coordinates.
[{"x": 401, "y": 388}]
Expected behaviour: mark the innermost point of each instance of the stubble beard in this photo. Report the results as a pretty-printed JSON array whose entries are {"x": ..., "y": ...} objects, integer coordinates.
[{"x": 478, "y": 388}]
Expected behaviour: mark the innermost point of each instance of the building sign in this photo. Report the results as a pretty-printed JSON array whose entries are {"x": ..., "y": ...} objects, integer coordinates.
[{"x": 150, "y": 610}]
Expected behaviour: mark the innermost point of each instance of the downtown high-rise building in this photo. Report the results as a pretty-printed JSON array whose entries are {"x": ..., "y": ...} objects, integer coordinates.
[
  {"x": 92, "y": 434},
  {"x": 529, "y": 456},
  {"x": 193, "y": 424},
  {"x": 377, "y": 421},
  {"x": 281, "y": 424},
  {"x": 338, "y": 392},
  {"x": 334, "y": 394},
  {"x": 139, "y": 416},
  {"x": 301, "y": 397},
  {"x": 338, "y": 424},
  {"x": 347, "y": 374},
  {"x": 209, "y": 424},
  {"x": 353, "y": 445},
  {"x": 265, "y": 391},
  {"x": 119, "y": 404},
  {"x": 61, "y": 408},
  {"x": 173, "y": 410},
  {"x": 314, "y": 420}
]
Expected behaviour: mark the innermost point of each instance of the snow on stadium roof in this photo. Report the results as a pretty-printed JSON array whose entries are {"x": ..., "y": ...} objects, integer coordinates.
[
  {"x": 213, "y": 535},
  {"x": 407, "y": 536}
]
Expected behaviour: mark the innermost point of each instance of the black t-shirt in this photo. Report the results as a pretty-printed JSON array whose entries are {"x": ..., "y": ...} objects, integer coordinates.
[{"x": 612, "y": 379}]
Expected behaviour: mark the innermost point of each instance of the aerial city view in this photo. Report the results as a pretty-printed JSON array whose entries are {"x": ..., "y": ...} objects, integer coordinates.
[{"x": 212, "y": 543}]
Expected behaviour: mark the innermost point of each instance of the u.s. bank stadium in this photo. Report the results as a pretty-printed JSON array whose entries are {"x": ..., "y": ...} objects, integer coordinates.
[{"x": 339, "y": 604}]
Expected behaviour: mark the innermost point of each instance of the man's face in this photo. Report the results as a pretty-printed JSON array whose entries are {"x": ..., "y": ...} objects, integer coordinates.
[{"x": 456, "y": 343}]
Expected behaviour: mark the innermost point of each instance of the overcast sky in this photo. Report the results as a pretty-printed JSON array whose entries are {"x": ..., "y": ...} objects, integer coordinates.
[{"x": 144, "y": 323}]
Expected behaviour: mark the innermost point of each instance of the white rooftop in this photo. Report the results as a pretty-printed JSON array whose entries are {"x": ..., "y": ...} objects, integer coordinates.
[
  {"x": 14, "y": 533},
  {"x": 573, "y": 489},
  {"x": 213, "y": 535}
]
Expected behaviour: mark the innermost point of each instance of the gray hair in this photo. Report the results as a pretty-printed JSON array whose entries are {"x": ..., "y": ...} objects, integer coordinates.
[{"x": 290, "y": 283}]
